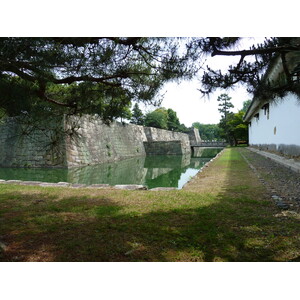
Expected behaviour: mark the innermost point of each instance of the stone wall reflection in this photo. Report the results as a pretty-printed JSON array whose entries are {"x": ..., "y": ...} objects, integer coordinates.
[
  {"x": 127, "y": 171},
  {"x": 139, "y": 170},
  {"x": 152, "y": 171},
  {"x": 205, "y": 152}
]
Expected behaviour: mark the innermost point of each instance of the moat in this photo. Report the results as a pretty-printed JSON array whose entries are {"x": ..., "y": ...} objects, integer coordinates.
[{"x": 151, "y": 171}]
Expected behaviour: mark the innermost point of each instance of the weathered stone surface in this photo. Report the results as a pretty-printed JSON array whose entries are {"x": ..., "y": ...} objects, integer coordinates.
[
  {"x": 165, "y": 148},
  {"x": 30, "y": 183},
  {"x": 194, "y": 136},
  {"x": 130, "y": 187},
  {"x": 163, "y": 189},
  {"x": 281, "y": 149},
  {"x": 99, "y": 186},
  {"x": 61, "y": 184},
  {"x": 13, "y": 181},
  {"x": 93, "y": 143},
  {"x": 23, "y": 146},
  {"x": 78, "y": 185}
]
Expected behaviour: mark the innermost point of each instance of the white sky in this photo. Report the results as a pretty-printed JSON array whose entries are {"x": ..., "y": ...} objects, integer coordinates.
[
  {"x": 188, "y": 102},
  {"x": 191, "y": 106}
]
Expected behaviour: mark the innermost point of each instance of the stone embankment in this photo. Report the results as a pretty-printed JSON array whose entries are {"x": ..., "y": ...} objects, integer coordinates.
[
  {"x": 92, "y": 186},
  {"x": 281, "y": 181},
  {"x": 80, "y": 141}
]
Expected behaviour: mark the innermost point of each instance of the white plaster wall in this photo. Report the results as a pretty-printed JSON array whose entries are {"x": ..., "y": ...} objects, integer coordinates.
[{"x": 285, "y": 116}]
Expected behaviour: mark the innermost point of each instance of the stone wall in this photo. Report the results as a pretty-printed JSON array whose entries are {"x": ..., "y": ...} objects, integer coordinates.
[
  {"x": 95, "y": 142},
  {"x": 164, "y": 148},
  {"x": 161, "y": 135},
  {"x": 194, "y": 136},
  {"x": 25, "y": 145},
  {"x": 80, "y": 141}
]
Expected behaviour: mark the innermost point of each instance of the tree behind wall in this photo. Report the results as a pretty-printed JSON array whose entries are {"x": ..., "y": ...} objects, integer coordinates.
[
  {"x": 165, "y": 119},
  {"x": 173, "y": 121},
  {"x": 239, "y": 129},
  {"x": 208, "y": 131},
  {"x": 138, "y": 117},
  {"x": 157, "y": 118}
]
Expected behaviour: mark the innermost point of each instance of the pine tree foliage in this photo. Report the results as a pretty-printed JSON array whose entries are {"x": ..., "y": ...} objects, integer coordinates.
[
  {"x": 137, "y": 115},
  {"x": 105, "y": 75},
  {"x": 87, "y": 75},
  {"x": 224, "y": 105},
  {"x": 251, "y": 67}
]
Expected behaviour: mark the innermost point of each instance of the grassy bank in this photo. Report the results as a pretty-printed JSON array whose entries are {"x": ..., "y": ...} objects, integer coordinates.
[{"x": 223, "y": 214}]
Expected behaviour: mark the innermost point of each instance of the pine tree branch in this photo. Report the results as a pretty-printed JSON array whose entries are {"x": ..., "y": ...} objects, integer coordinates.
[{"x": 244, "y": 53}]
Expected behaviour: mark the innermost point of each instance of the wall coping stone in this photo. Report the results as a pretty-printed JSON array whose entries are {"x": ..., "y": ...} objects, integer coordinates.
[
  {"x": 93, "y": 186},
  {"x": 130, "y": 187},
  {"x": 163, "y": 189}
]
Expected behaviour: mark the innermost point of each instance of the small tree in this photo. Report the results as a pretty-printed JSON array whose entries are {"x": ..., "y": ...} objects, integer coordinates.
[
  {"x": 238, "y": 129},
  {"x": 224, "y": 105},
  {"x": 224, "y": 109},
  {"x": 137, "y": 115},
  {"x": 234, "y": 128}
]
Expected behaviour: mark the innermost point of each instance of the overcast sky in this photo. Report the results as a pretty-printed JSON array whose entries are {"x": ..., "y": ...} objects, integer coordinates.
[
  {"x": 188, "y": 102},
  {"x": 191, "y": 107}
]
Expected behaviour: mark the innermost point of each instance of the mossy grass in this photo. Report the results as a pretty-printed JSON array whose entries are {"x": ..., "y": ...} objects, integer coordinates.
[{"x": 223, "y": 214}]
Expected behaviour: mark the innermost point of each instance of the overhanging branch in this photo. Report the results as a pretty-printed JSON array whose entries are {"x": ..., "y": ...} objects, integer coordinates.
[{"x": 244, "y": 53}]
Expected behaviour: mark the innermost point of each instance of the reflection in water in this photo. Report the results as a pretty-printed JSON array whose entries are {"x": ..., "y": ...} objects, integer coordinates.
[
  {"x": 205, "y": 152},
  {"x": 152, "y": 171}
]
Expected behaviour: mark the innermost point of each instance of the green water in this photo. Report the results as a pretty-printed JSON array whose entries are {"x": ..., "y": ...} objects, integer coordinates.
[{"x": 152, "y": 171}]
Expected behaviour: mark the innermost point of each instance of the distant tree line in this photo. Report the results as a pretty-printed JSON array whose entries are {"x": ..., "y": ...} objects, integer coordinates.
[
  {"x": 209, "y": 132},
  {"x": 231, "y": 127},
  {"x": 160, "y": 118}
]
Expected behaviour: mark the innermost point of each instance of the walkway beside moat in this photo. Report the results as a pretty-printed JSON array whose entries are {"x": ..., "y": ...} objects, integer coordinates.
[
  {"x": 281, "y": 176},
  {"x": 289, "y": 163},
  {"x": 278, "y": 176}
]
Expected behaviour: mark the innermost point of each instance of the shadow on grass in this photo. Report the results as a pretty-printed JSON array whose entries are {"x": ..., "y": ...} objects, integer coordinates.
[{"x": 233, "y": 228}]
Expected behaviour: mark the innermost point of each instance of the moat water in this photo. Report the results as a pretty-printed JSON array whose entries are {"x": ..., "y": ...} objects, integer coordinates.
[{"x": 151, "y": 171}]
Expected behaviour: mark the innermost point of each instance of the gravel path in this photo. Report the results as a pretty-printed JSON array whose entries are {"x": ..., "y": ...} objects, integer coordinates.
[{"x": 282, "y": 183}]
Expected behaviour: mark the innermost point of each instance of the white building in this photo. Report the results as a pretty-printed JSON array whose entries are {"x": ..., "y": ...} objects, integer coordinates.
[{"x": 274, "y": 123}]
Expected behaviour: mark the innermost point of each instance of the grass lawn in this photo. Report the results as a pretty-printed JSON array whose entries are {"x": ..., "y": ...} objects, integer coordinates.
[{"x": 223, "y": 214}]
